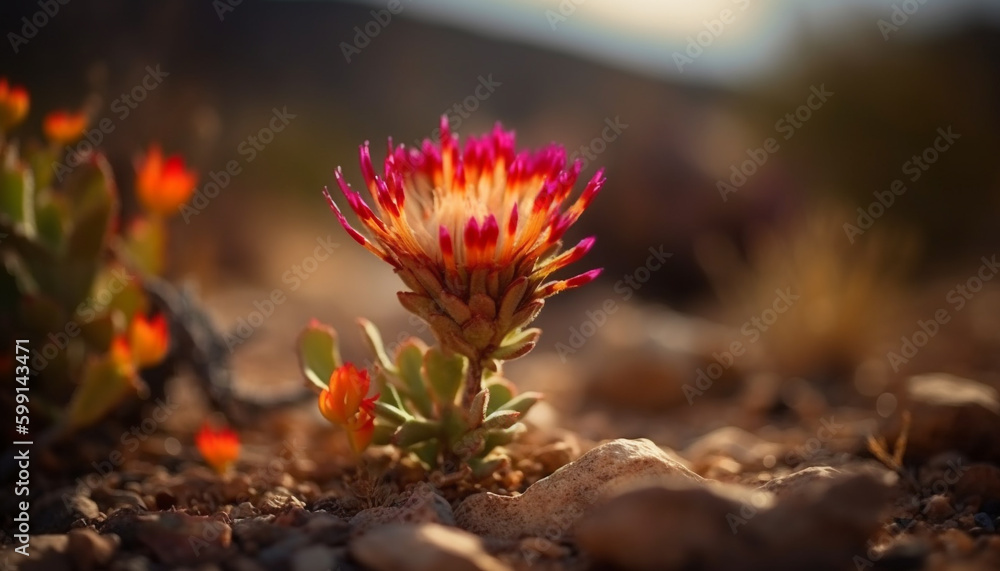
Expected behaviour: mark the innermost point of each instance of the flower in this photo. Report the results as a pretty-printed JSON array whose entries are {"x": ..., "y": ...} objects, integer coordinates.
[
  {"x": 148, "y": 339},
  {"x": 14, "y": 104},
  {"x": 220, "y": 448},
  {"x": 474, "y": 232},
  {"x": 344, "y": 403},
  {"x": 163, "y": 186},
  {"x": 64, "y": 127}
]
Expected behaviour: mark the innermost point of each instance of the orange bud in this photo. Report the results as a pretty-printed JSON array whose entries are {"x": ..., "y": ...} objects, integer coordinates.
[
  {"x": 163, "y": 186},
  {"x": 121, "y": 356},
  {"x": 149, "y": 339},
  {"x": 63, "y": 127},
  {"x": 14, "y": 103},
  {"x": 344, "y": 403},
  {"x": 220, "y": 448}
]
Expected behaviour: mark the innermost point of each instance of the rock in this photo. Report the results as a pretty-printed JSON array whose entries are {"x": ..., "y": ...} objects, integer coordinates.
[
  {"x": 422, "y": 547},
  {"x": 550, "y": 506},
  {"x": 56, "y": 511},
  {"x": 314, "y": 558},
  {"x": 89, "y": 549},
  {"x": 677, "y": 525},
  {"x": 746, "y": 448},
  {"x": 244, "y": 510},
  {"x": 109, "y": 499},
  {"x": 949, "y": 414},
  {"x": 981, "y": 480},
  {"x": 177, "y": 538},
  {"x": 938, "y": 508},
  {"x": 423, "y": 505},
  {"x": 794, "y": 483},
  {"x": 45, "y": 553},
  {"x": 278, "y": 500}
]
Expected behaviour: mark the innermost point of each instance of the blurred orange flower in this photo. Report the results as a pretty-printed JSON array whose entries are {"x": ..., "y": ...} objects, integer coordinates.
[
  {"x": 164, "y": 185},
  {"x": 64, "y": 127},
  {"x": 14, "y": 104},
  {"x": 344, "y": 403},
  {"x": 121, "y": 356},
  {"x": 149, "y": 339},
  {"x": 220, "y": 448}
]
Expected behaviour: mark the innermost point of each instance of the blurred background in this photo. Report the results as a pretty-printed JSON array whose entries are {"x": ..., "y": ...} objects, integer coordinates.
[{"x": 740, "y": 136}]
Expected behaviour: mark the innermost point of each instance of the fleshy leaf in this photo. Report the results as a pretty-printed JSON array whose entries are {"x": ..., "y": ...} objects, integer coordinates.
[
  {"x": 501, "y": 419},
  {"x": 444, "y": 374},
  {"x": 501, "y": 391},
  {"x": 374, "y": 341},
  {"x": 522, "y": 402},
  {"x": 409, "y": 365},
  {"x": 319, "y": 355},
  {"x": 17, "y": 196},
  {"x": 415, "y": 431},
  {"x": 390, "y": 414},
  {"x": 104, "y": 385}
]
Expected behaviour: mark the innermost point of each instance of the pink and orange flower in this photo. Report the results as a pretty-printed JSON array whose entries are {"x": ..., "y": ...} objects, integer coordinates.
[
  {"x": 220, "y": 448},
  {"x": 344, "y": 403},
  {"x": 475, "y": 232},
  {"x": 14, "y": 103},
  {"x": 163, "y": 185}
]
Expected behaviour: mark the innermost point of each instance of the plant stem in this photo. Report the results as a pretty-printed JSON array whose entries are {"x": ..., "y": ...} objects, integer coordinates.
[{"x": 473, "y": 383}]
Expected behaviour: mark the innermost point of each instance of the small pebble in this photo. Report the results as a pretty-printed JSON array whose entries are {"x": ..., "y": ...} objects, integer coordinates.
[
  {"x": 984, "y": 521},
  {"x": 938, "y": 508}
]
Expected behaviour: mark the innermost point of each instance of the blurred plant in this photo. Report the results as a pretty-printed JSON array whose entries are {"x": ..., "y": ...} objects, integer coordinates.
[
  {"x": 848, "y": 294},
  {"x": 220, "y": 448},
  {"x": 14, "y": 103},
  {"x": 71, "y": 282},
  {"x": 474, "y": 232},
  {"x": 64, "y": 127},
  {"x": 163, "y": 185}
]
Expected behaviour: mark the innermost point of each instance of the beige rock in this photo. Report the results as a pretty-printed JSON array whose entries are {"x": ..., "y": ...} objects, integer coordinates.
[
  {"x": 820, "y": 526},
  {"x": 746, "y": 448},
  {"x": 90, "y": 549},
  {"x": 938, "y": 508},
  {"x": 550, "y": 506},
  {"x": 794, "y": 483},
  {"x": 422, "y": 547},
  {"x": 45, "y": 553},
  {"x": 314, "y": 558},
  {"x": 949, "y": 414},
  {"x": 424, "y": 505}
]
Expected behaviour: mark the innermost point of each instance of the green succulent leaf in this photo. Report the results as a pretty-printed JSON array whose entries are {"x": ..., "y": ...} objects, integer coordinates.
[
  {"x": 501, "y": 391},
  {"x": 501, "y": 419},
  {"x": 477, "y": 410},
  {"x": 444, "y": 373},
  {"x": 382, "y": 435},
  {"x": 471, "y": 444},
  {"x": 17, "y": 196},
  {"x": 409, "y": 366},
  {"x": 94, "y": 204},
  {"x": 105, "y": 383},
  {"x": 496, "y": 438},
  {"x": 415, "y": 431},
  {"x": 319, "y": 355},
  {"x": 517, "y": 344},
  {"x": 482, "y": 468},
  {"x": 373, "y": 339},
  {"x": 391, "y": 414},
  {"x": 522, "y": 402},
  {"x": 145, "y": 244}
]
